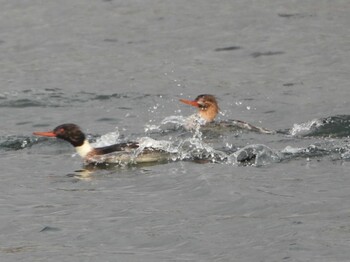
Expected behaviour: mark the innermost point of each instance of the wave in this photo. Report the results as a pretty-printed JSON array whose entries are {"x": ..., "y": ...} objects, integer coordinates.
[{"x": 333, "y": 126}]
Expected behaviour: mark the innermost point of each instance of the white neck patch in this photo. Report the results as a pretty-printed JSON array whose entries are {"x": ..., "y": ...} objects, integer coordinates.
[{"x": 84, "y": 149}]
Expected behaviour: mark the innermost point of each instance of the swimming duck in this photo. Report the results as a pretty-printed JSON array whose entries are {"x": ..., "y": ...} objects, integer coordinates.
[
  {"x": 122, "y": 153},
  {"x": 208, "y": 109}
]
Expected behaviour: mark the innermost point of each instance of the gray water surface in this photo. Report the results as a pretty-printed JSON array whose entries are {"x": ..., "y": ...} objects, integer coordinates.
[{"x": 118, "y": 68}]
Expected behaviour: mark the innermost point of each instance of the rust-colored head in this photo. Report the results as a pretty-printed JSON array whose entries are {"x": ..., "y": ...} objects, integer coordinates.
[{"x": 207, "y": 106}]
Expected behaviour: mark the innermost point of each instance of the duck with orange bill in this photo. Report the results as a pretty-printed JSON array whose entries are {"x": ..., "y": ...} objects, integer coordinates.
[
  {"x": 208, "y": 109},
  {"x": 122, "y": 153}
]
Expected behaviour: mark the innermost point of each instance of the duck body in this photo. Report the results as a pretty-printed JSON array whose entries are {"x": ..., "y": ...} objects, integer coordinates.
[
  {"x": 129, "y": 155},
  {"x": 122, "y": 153},
  {"x": 207, "y": 111}
]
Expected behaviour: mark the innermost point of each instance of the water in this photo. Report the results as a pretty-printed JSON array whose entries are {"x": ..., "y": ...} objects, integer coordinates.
[{"x": 118, "y": 69}]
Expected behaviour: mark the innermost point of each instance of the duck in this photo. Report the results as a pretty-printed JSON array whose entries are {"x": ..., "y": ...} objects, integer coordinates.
[
  {"x": 208, "y": 109},
  {"x": 122, "y": 153}
]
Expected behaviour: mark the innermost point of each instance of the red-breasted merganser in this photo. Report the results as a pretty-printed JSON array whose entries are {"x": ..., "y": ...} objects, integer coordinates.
[
  {"x": 123, "y": 153},
  {"x": 207, "y": 111}
]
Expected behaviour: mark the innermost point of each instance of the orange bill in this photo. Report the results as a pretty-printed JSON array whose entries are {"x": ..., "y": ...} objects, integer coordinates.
[
  {"x": 48, "y": 134},
  {"x": 190, "y": 102}
]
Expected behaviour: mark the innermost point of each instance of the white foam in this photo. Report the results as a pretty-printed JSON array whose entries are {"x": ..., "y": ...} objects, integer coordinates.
[{"x": 305, "y": 128}]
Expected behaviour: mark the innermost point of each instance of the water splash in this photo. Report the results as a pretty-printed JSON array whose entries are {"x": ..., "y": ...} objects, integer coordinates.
[
  {"x": 256, "y": 155},
  {"x": 168, "y": 123},
  {"x": 305, "y": 129},
  {"x": 107, "y": 139},
  {"x": 145, "y": 142},
  {"x": 346, "y": 155},
  {"x": 194, "y": 146},
  {"x": 173, "y": 123}
]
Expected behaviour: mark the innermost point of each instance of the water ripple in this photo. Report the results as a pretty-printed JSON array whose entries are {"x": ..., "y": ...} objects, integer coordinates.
[{"x": 57, "y": 98}]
